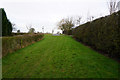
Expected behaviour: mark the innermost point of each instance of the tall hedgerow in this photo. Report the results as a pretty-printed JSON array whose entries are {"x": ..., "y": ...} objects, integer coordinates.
[{"x": 102, "y": 34}]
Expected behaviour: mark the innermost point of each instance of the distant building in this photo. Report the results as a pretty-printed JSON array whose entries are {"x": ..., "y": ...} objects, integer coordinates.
[{"x": 118, "y": 6}]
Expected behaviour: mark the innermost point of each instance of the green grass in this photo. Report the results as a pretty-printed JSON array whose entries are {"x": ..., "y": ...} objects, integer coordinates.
[{"x": 58, "y": 57}]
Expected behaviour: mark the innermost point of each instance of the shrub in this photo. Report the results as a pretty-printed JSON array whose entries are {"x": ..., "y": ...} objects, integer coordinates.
[
  {"x": 67, "y": 32},
  {"x": 102, "y": 34},
  {"x": 11, "y": 44}
]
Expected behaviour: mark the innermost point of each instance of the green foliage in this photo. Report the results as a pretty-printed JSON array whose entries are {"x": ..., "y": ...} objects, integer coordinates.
[
  {"x": 102, "y": 34},
  {"x": 6, "y": 24},
  {"x": 11, "y": 44},
  {"x": 58, "y": 57}
]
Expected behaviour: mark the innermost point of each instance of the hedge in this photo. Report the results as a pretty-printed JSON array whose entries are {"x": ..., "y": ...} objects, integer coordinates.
[
  {"x": 102, "y": 34},
  {"x": 11, "y": 44},
  {"x": 67, "y": 32},
  {"x": 15, "y": 34}
]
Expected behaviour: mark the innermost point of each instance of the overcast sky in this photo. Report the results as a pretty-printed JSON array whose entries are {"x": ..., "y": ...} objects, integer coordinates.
[{"x": 47, "y": 13}]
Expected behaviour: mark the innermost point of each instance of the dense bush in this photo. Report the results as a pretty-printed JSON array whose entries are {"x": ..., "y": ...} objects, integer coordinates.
[
  {"x": 67, "y": 32},
  {"x": 11, "y": 44},
  {"x": 6, "y": 24},
  {"x": 102, "y": 34}
]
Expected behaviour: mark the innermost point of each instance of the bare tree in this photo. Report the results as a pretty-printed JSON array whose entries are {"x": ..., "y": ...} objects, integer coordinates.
[
  {"x": 78, "y": 20},
  {"x": 112, "y": 6},
  {"x": 90, "y": 18},
  {"x": 118, "y": 6},
  {"x": 66, "y": 24},
  {"x": 30, "y": 29},
  {"x": 14, "y": 27},
  {"x": 28, "y": 26}
]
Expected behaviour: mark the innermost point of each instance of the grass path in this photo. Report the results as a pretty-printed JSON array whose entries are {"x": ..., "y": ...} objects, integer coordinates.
[{"x": 58, "y": 57}]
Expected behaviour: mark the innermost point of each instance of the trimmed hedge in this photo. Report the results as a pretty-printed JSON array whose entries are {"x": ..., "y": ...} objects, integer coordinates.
[
  {"x": 15, "y": 34},
  {"x": 102, "y": 34},
  {"x": 11, "y": 44}
]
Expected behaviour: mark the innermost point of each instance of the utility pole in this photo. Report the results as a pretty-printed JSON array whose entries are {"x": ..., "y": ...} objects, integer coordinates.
[{"x": 43, "y": 29}]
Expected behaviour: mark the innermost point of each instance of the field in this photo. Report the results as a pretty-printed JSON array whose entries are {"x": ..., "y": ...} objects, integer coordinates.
[{"x": 58, "y": 57}]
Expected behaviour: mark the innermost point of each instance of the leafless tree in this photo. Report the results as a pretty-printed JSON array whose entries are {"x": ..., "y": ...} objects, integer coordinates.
[
  {"x": 118, "y": 6},
  {"x": 78, "y": 20},
  {"x": 90, "y": 18},
  {"x": 30, "y": 29},
  {"x": 112, "y": 6},
  {"x": 29, "y": 26},
  {"x": 14, "y": 27}
]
